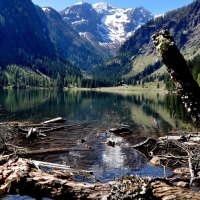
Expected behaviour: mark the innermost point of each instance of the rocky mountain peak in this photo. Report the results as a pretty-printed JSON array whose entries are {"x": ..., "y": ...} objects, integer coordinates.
[
  {"x": 102, "y": 7},
  {"x": 104, "y": 25},
  {"x": 79, "y": 3}
]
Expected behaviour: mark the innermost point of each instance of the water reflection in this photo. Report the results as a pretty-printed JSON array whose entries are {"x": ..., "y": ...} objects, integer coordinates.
[
  {"x": 89, "y": 115},
  {"x": 149, "y": 110}
]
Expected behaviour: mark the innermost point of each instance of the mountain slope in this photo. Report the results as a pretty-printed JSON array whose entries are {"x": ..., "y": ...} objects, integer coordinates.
[
  {"x": 69, "y": 44},
  {"x": 105, "y": 26},
  {"x": 137, "y": 56},
  {"x": 19, "y": 36},
  {"x": 41, "y": 40}
]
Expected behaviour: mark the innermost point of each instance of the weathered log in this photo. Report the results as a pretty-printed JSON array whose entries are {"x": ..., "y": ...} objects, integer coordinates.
[
  {"x": 174, "y": 151},
  {"x": 40, "y": 130},
  {"x": 39, "y": 164},
  {"x": 145, "y": 142},
  {"x": 120, "y": 131},
  {"x": 55, "y": 120},
  {"x": 49, "y": 151},
  {"x": 19, "y": 176},
  {"x": 180, "y": 73},
  {"x": 163, "y": 190},
  {"x": 133, "y": 187}
]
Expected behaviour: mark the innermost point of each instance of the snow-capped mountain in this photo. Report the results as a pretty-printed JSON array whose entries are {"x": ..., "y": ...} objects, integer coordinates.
[{"x": 104, "y": 25}]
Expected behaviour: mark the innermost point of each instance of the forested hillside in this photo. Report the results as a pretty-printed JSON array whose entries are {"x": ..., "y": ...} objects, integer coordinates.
[
  {"x": 138, "y": 63},
  {"x": 39, "y": 41},
  {"x": 39, "y": 48}
]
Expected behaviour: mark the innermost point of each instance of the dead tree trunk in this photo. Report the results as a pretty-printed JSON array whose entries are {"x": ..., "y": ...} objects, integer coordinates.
[
  {"x": 21, "y": 177},
  {"x": 177, "y": 67}
]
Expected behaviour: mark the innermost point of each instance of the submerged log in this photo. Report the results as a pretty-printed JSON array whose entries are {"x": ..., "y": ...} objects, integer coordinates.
[
  {"x": 177, "y": 153},
  {"x": 50, "y": 151},
  {"x": 180, "y": 73}
]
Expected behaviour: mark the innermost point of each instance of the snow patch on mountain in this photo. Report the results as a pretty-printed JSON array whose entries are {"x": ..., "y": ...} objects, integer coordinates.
[
  {"x": 159, "y": 15},
  {"x": 80, "y": 21},
  {"x": 102, "y": 7},
  {"x": 115, "y": 22},
  {"x": 79, "y": 3},
  {"x": 46, "y": 9},
  {"x": 107, "y": 25}
]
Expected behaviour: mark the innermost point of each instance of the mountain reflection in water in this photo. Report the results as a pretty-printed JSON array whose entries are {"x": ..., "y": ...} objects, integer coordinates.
[
  {"x": 151, "y": 110},
  {"x": 89, "y": 115}
]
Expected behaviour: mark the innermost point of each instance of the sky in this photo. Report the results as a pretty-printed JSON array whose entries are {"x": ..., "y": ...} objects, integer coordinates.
[{"x": 154, "y": 6}]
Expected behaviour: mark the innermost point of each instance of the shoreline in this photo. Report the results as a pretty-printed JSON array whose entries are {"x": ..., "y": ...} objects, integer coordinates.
[
  {"x": 116, "y": 89},
  {"x": 126, "y": 89}
]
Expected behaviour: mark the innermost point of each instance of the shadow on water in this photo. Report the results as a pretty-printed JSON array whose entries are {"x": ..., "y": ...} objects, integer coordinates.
[{"x": 90, "y": 114}]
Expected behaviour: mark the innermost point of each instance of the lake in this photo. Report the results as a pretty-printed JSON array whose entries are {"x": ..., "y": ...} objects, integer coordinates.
[{"x": 90, "y": 114}]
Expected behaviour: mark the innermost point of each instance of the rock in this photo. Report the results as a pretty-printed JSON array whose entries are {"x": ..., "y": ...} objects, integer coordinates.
[
  {"x": 83, "y": 141},
  {"x": 110, "y": 143},
  {"x": 155, "y": 161}
]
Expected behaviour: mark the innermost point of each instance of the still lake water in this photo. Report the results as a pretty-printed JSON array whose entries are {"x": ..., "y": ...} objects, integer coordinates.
[
  {"x": 147, "y": 110},
  {"x": 147, "y": 114}
]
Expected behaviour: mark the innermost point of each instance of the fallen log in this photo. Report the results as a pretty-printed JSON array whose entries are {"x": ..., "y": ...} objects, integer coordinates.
[
  {"x": 55, "y": 120},
  {"x": 180, "y": 73},
  {"x": 133, "y": 187},
  {"x": 164, "y": 190},
  {"x": 41, "y": 130},
  {"x": 18, "y": 176},
  {"x": 49, "y": 151},
  {"x": 174, "y": 152},
  {"x": 39, "y": 164}
]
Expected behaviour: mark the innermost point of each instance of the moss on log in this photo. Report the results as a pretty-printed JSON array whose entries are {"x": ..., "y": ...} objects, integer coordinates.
[{"x": 180, "y": 73}]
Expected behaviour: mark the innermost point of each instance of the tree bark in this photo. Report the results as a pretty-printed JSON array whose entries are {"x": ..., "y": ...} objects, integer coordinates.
[
  {"x": 180, "y": 73},
  {"x": 19, "y": 176}
]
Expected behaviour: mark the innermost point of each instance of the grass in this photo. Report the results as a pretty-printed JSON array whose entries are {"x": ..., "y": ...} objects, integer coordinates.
[
  {"x": 124, "y": 89},
  {"x": 139, "y": 64}
]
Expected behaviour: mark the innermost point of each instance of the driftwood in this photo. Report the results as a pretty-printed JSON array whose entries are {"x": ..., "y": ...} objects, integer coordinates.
[
  {"x": 39, "y": 164},
  {"x": 177, "y": 67},
  {"x": 133, "y": 187},
  {"x": 49, "y": 151},
  {"x": 32, "y": 133},
  {"x": 55, "y": 120},
  {"x": 180, "y": 153},
  {"x": 19, "y": 176},
  {"x": 21, "y": 151},
  {"x": 25, "y": 177}
]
